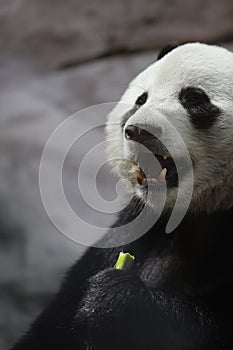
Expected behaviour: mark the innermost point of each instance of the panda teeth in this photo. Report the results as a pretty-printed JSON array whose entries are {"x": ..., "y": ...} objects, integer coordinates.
[
  {"x": 140, "y": 176},
  {"x": 162, "y": 176}
]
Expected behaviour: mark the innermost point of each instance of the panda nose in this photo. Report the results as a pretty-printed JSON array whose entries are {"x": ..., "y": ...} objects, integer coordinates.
[{"x": 141, "y": 135}]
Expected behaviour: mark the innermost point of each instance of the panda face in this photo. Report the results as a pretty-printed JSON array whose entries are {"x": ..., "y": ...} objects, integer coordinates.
[{"x": 181, "y": 104}]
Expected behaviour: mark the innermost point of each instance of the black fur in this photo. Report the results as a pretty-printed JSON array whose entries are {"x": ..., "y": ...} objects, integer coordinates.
[
  {"x": 141, "y": 100},
  {"x": 197, "y": 103},
  {"x": 178, "y": 294},
  {"x": 166, "y": 50}
]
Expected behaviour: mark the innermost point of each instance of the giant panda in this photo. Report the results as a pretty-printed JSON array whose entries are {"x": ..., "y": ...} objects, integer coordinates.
[{"x": 179, "y": 292}]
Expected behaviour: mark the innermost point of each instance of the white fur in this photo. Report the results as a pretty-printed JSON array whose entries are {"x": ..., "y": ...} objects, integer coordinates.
[{"x": 211, "y": 69}]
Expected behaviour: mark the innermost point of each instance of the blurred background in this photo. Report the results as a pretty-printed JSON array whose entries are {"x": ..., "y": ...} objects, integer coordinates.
[{"x": 57, "y": 57}]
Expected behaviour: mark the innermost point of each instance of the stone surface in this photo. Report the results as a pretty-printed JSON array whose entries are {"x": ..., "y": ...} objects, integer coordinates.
[{"x": 57, "y": 33}]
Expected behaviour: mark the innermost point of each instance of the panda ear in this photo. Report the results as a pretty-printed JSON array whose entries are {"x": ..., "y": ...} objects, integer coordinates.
[{"x": 167, "y": 49}]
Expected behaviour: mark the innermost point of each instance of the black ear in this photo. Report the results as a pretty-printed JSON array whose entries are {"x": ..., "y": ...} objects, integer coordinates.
[{"x": 167, "y": 49}]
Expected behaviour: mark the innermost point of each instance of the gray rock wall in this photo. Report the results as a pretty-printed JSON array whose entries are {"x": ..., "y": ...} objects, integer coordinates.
[{"x": 62, "y": 32}]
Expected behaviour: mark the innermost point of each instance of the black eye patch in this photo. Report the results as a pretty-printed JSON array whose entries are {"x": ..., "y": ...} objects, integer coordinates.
[
  {"x": 141, "y": 100},
  {"x": 197, "y": 103}
]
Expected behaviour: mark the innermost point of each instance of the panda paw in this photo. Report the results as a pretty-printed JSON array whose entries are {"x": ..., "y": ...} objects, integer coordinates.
[{"x": 110, "y": 307}]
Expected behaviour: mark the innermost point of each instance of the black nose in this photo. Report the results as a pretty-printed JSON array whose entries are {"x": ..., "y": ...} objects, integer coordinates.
[{"x": 138, "y": 134}]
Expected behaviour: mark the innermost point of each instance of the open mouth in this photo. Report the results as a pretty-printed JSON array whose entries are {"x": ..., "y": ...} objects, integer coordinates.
[{"x": 154, "y": 170}]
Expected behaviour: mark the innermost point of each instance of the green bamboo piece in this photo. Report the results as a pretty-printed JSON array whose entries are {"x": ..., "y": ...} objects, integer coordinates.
[{"x": 124, "y": 261}]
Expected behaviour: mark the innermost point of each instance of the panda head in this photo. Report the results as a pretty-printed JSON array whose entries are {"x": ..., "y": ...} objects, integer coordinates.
[{"x": 181, "y": 104}]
